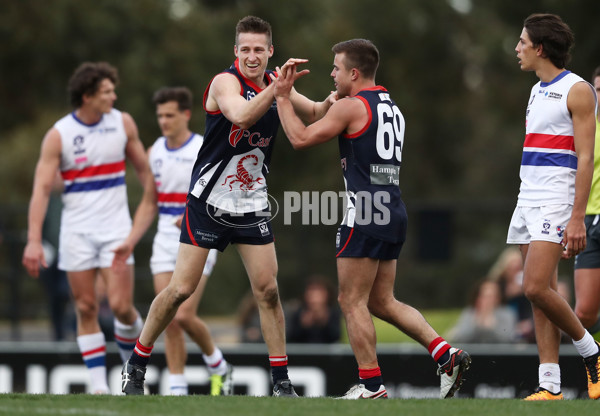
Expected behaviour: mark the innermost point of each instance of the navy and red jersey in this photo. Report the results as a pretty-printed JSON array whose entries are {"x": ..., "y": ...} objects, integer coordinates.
[
  {"x": 371, "y": 161},
  {"x": 232, "y": 163}
]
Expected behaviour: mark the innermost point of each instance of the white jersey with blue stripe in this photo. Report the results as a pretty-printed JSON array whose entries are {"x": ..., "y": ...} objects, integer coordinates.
[
  {"x": 93, "y": 170},
  {"x": 172, "y": 170},
  {"x": 549, "y": 161}
]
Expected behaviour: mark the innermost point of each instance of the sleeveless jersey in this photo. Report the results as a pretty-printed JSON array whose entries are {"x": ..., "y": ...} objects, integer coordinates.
[
  {"x": 93, "y": 170},
  {"x": 172, "y": 170},
  {"x": 371, "y": 161},
  {"x": 231, "y": 166},
  {"x": 549, "y": 161},
  {"x": 593, "y": 206}
]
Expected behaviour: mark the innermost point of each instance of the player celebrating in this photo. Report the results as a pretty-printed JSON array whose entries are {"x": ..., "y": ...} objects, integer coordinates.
[
  {"x": 371, "y": 132},
  {"x": 171, "y": 159},
  {"x": 227, "y": 203}
]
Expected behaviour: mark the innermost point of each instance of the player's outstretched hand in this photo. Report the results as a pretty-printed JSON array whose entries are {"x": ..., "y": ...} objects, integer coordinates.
[{"x": 287, "y": 75}]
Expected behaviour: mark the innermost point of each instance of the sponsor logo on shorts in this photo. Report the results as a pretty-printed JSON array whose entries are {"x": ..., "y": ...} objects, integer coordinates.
[
  {"x": 560, "y": 230},
  {"x": 205, "y": 236}
]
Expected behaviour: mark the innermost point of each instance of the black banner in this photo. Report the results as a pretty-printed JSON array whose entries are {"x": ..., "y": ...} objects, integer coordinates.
[{"x": 497, "y": 371}]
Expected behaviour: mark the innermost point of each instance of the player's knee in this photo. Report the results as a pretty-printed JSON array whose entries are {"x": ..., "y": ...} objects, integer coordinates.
[
  {"x": 346, "y": 302},
  {"x": 179, "y": 294},
  {"x": 121, "y": 310},
  {"x": 532, "y": 292},
  {"x": 587, "y": 319},
  {"x": 378, "y": 308},
  {"x": 173, "y": 328},
  {"x": 87, "y": 308},
  {"x": 183, "y": 318},
  {"x": 268, "y": 296}
]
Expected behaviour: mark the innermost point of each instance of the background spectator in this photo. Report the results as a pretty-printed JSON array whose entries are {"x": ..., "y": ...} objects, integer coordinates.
[
  {"x": 317, "y": 318},
  {"x": 486, "y": 320},
  {"x": 508, "y": 272}
]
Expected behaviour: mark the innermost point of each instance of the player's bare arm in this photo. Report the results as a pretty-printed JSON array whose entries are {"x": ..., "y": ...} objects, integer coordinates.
[
  {"x": 142, "y": 220},
  {"x": 134, "y": 149},
  {"x": 581, "y": 103},
  {"x": 340, "y": 118},
  {"x": 224, "y": 95},
  {"x": 45, "y": 173}
]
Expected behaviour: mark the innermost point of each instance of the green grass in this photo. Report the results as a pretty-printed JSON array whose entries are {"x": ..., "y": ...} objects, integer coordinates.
[
  {"x": 84, "y": 405},
  {"x": 441, "y": 320}
]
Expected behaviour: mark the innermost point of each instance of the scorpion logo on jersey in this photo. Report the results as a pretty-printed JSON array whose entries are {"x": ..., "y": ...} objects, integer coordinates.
[{"x": 242, "y": 175}]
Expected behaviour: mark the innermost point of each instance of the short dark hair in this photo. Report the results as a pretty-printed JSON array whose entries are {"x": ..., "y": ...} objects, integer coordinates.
[
  {"x": 182, "y": 95},
  {"x": 596, "y": 73},
  {"x": 87, "y": 79},
  {"x": 361, "y": 54},
  {"x": 253, "y": 24},
  {"x": 553, "y": 34}
]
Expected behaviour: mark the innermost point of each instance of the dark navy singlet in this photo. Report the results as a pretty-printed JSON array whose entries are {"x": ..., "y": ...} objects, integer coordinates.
[
  {"x": 371, "y": 161},
  {"x": 231, "y": 166}
]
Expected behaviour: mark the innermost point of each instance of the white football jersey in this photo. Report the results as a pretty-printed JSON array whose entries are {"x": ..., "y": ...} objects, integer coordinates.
[
  {"x": 172, "y": 170},
  {"x": 549, "y": 161},
  {"x": 93, "y": 170}
]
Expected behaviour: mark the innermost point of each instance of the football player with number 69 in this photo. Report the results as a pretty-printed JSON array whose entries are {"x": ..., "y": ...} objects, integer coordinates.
[{"x": 370, "y": 128}]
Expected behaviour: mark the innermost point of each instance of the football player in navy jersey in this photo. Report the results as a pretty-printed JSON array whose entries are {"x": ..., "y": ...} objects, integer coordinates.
[
  {"x": 371, "y": 133},
  {"x": 227, "y": 202}
]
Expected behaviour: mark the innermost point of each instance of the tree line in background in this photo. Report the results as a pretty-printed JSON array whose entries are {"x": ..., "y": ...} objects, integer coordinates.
[{"x": 449, "y": 64}]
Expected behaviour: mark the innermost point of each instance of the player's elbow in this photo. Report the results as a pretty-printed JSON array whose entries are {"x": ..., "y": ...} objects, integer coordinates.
[{"x": 298, "y": 142}]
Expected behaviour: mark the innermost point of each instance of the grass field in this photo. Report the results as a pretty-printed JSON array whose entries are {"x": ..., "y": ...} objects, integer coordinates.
[{"x": 86, "y": 405}]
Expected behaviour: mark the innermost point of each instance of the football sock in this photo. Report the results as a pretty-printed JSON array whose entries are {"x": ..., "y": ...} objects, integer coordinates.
[
  {"x": 371, "y": 378},
  {"x": 140, "y": 355},
  {"x": 279, "y": 370},
  {"x": 586, "y": 346},
  {"x": 93, "y": 351},
  {"x": 549, "y": 377},
  {"x": 126, "y": 335},
  {"x": 178, "y": 385},
  {"x": 439, "y": 350},
  {"x": 215, "y": 362}
]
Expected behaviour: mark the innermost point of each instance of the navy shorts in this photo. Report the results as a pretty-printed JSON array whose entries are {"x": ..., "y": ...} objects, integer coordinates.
[
  {"x": 590, "y": 257},
  {"x": 205, "y": 226},
  {"x": 350, "y": 242}
]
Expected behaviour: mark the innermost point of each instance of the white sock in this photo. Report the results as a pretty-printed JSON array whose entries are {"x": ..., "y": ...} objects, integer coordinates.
[
  {"x": 215, "y": 362},
  {"x": 93, "y": 351},
  {"x": 586, "y": 346},
  {"x": 178, "y": 385},
  {"x": 549, "y": 377},
  {"x": 126, "y": 336}
]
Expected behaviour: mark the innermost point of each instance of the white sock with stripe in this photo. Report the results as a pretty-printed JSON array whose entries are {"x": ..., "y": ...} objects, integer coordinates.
[
  {"x": 215, "y": 362},
  {"x": 126, "y": 335},
  {"x": 178, "y": 385},
  {"x": 93, "y": 351}
]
